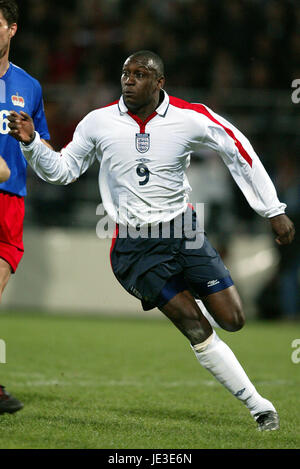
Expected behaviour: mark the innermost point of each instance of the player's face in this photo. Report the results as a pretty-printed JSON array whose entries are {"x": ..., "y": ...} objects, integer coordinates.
[
  {"x": 6, "y": 33},
  {"x": 140, "y": 84}
]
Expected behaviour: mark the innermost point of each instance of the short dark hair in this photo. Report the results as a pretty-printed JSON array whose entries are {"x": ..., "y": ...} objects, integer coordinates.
[
  {"x": 10, "y": 11},
  {"x": 149, "y": 55}
]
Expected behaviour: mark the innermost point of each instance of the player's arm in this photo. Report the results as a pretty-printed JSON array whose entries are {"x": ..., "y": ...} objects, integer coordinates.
[
  {"x": 47, "y": 143},
  {"x": 4, "y": 170},
  {"x": 248, "y": 172},
  {"x": 55, "y": 167}
]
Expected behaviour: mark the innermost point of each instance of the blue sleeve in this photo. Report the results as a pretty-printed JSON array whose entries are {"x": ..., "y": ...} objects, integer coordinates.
[{"x": 38, "y": 115}]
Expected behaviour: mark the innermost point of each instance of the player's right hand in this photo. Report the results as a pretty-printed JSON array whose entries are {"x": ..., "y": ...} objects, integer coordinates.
[{"x": 21, "y": 126}]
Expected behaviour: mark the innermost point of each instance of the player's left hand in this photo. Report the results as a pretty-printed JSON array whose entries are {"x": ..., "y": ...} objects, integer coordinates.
[
  {"x": 283, "y": 228},
  {"x": 21, "y": 126}
]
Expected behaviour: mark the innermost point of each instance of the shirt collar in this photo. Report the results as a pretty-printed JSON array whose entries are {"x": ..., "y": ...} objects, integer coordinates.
[{"x": 161, "y": 110}]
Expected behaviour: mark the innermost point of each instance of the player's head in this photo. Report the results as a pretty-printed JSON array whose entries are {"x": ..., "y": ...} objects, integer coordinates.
[
  {"x": 10, "y": 11},
  {"x": 8, "y": 24},
  {"x": 142, "y": 79},
  {"x": 150, "y": 60}
]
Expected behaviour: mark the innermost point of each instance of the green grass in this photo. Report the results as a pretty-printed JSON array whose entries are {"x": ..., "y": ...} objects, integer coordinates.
[{"x": 135, "y": 384}]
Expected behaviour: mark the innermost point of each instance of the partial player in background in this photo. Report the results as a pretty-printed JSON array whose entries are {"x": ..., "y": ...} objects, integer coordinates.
[
  {"x": 18, "y": 91},
  {"x": 143, "y": 143}
]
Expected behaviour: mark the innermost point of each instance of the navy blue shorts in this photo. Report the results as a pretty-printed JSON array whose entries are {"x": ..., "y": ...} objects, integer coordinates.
[{"x": 155, "y": 269}]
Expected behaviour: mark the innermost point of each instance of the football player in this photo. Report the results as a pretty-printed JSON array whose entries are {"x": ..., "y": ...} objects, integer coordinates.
[
  {"x": 19, "y": 91},
  {"x": 143, "y": 142}
]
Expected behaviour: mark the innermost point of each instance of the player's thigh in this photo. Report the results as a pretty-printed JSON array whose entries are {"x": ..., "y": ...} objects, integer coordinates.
[
  {"x": 5, "y": 273},
  {"x": 226, "y": 308},
  {"x": 185, "y": 314}
]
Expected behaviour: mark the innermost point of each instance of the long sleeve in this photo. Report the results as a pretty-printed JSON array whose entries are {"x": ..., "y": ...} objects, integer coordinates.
[
  {"x": 61, "y": 167},
  {"x": 242, "y": 162}
]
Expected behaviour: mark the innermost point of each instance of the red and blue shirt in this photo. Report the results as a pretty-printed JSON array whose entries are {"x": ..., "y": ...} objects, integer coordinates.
[{"x": 19, "y": 92}]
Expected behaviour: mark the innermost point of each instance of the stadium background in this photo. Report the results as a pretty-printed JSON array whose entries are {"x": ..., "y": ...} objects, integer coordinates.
[{"x": 237, "y": 57}]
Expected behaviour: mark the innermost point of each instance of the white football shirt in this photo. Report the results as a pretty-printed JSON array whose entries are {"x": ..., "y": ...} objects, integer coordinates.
[{"x": 142, "y": 164}]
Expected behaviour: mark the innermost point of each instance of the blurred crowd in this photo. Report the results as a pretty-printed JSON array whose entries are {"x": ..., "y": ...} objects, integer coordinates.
[
  {"x": 76, "y": 49},
  {"x": 238, "y": 56},
  {"x": 204, "y": 43}
]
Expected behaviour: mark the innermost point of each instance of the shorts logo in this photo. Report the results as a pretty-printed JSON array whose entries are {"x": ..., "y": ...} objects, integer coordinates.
[
  {"x": 135, "y": 292},
  {"x": 142, "y": 142},
  {"x": 212, "y": 283},
  {"x": 18, "y": 100}
]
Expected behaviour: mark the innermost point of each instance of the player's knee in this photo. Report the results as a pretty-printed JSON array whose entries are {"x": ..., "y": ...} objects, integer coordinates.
[{"x": 236, "y": 320}]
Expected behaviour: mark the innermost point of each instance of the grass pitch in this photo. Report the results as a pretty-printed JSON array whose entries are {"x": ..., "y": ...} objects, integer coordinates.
[{"x": 135, "y": 384}]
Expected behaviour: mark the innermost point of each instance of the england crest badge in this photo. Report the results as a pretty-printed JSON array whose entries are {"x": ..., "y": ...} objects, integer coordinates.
[{"x": 142, "y": 142}]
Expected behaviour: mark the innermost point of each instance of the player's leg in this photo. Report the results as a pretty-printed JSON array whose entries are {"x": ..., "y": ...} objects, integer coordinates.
[
  {"x": 185, "y": 314},
  {"x": 214, "y": 355},
  {"x": 209, "y": 279},
  {"x": 11, "y": 252},
  {"x": 225, "y": 306},
  {"x": 8, "y": 403},
  {"x": 208, "y": 316},
  {"x": 132, "y": 263},
  {"x": 5, "y": 273}
]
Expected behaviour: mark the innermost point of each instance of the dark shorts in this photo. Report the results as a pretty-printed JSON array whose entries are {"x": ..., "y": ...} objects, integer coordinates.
[
  {"x": 156, "y": 269},
  {"x": 11, "y": 228}
]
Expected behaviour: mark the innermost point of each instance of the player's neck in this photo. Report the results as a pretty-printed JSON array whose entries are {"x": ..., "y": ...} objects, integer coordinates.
[
  {"x": 143, "y": 115},
  {"x": 145, "y": 111},
  {"x": 4, "y": 65}
]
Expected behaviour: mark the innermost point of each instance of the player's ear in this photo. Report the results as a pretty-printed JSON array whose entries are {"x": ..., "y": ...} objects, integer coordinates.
[
  {"x": 161, "y": 82},
  {"x": 13, "y": 29}
]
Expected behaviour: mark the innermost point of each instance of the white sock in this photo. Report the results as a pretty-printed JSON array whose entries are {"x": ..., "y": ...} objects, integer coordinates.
[
  {"x": 205, "y": 313},
  {"x": 218, "y": 358}
]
